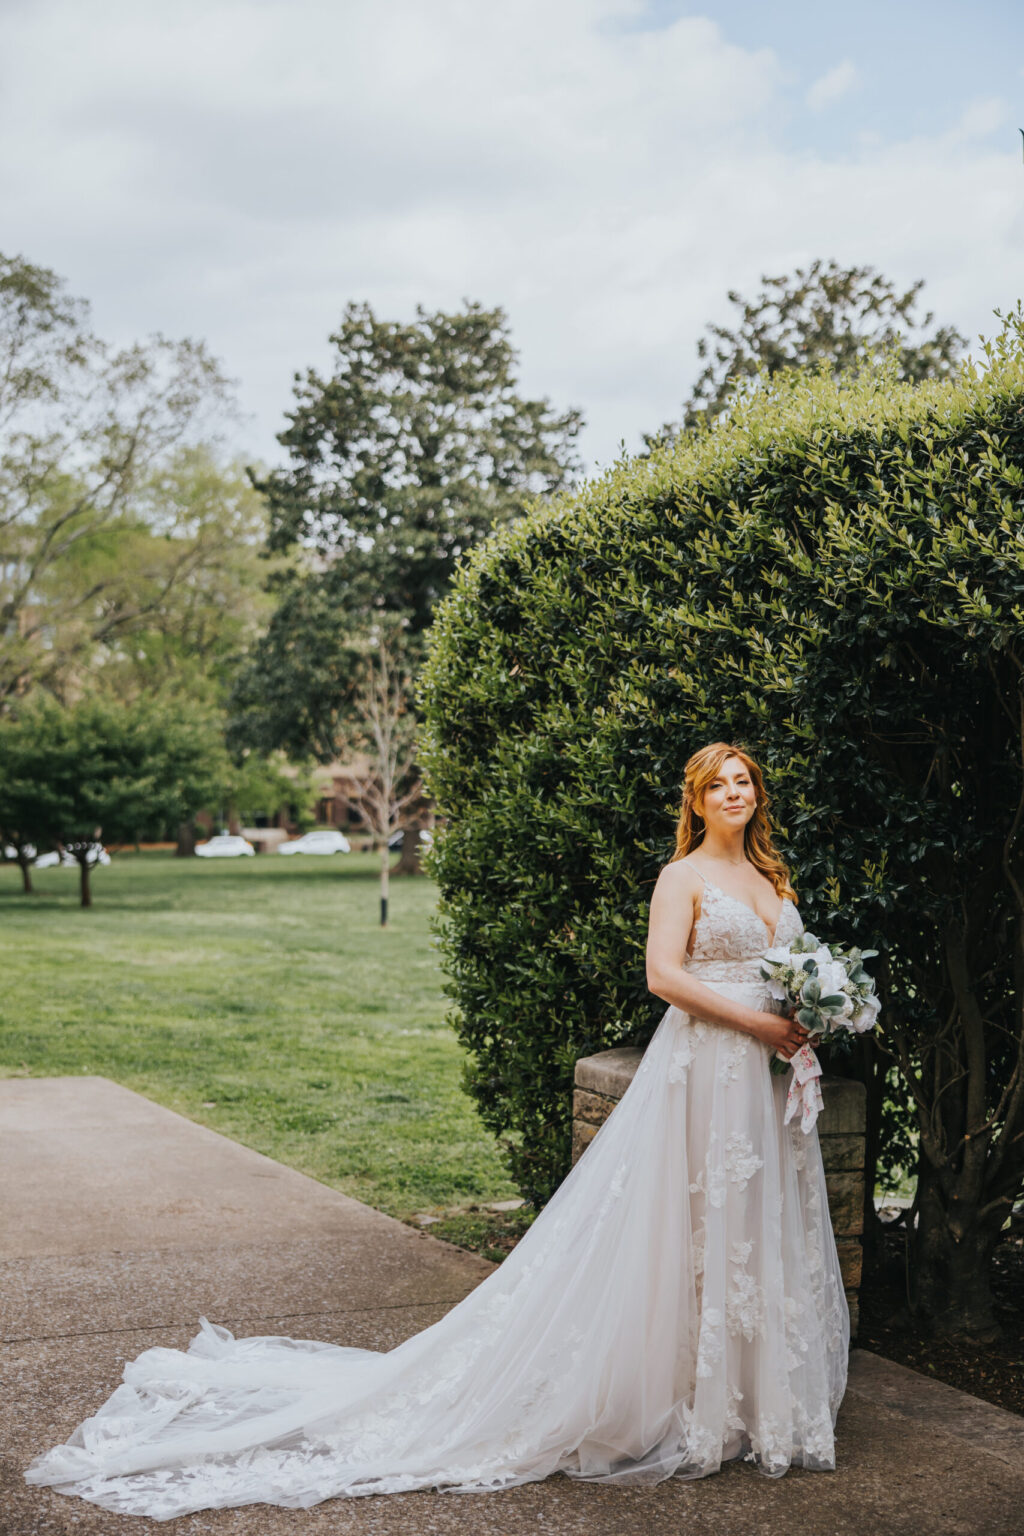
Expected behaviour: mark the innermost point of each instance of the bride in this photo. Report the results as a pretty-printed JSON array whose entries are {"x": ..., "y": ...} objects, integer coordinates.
[{"x": 677, "y": 1302}]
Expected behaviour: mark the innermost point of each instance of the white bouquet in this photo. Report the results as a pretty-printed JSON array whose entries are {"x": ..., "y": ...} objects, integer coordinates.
[{"x": 833, "y": 997}]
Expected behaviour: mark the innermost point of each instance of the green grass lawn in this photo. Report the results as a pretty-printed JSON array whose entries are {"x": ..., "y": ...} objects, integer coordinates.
[{"x": 259, "y": 997}]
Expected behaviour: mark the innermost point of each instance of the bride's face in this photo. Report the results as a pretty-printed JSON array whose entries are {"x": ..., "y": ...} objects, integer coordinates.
[{"x": 730, "y": 799}]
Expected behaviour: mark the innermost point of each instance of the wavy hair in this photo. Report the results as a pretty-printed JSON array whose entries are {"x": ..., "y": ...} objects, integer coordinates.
[{"x": 701, "y": 770}]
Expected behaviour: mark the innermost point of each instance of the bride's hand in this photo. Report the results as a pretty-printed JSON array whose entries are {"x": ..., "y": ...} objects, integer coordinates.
[{"x": 781, "y": 1032}]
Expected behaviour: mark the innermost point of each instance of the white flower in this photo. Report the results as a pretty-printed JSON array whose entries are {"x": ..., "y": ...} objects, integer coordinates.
[
  {"x": 779, "y": 956},
  {"x": 785, "y": 978},
  {"x": 831, "y": 975},
  {"x": 867, "y": 1013}
]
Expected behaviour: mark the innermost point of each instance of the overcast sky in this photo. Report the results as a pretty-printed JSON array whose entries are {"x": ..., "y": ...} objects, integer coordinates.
[{"x": 604, "y": 169}]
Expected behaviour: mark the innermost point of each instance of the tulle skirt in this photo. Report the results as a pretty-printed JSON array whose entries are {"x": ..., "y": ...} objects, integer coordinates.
[{"x": 677, "y": 1303}]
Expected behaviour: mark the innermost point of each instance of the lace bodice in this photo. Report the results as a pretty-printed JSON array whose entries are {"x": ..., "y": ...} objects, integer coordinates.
[{"x": 729, "y": 938}]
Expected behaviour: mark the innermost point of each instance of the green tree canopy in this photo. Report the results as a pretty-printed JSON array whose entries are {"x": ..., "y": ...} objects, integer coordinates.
[
  {"x": 86, "y": 437},
  {"x": 415, "y": 446},
  {"x": 822, "y": 315},
  {"x": 193, "y": 564},
  {"x": 29, "y": 802},
  {"x": 103, "y": 771}
]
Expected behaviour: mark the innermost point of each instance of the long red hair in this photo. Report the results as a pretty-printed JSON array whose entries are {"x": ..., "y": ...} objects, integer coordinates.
[{"x": 701, "y": 770}]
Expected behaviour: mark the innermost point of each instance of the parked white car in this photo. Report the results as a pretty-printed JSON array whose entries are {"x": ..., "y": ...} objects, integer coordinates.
[
  {"x": 97, "y": 855},
  {"x": 11, "y": 853},
  {"x": 225, "y": 847},
  {"x": 317, "y": 842},
  {"x": 398, "y": 838}
]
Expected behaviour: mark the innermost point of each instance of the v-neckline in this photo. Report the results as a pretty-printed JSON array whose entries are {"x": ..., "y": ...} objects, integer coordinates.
[{"x": 772, "y": 932}]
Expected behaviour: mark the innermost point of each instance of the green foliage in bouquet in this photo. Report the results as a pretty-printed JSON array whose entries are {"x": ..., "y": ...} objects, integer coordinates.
[{"x": 834, "y": 578}]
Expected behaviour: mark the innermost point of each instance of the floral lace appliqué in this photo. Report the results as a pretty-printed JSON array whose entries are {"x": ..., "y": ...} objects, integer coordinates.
[
  {"x": 732, "y": 1060},
  {"x": 711, "y": 1343},
  {"x": 682, "y": 1060},
  {"x": 741, "y": 1161}
]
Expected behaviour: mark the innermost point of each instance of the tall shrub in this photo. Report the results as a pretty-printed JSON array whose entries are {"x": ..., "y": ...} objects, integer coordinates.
[{"x": 836, "y": 580}]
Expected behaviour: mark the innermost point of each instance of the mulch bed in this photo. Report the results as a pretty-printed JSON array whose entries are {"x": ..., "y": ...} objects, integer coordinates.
[{"x": 994, "y": 1372}]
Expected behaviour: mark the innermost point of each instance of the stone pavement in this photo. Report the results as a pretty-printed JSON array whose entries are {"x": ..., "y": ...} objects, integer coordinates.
[{"x": 121, "y": 1222}]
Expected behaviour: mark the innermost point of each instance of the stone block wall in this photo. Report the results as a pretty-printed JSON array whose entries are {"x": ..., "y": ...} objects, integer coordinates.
[{"x": 601, "y": 1081}]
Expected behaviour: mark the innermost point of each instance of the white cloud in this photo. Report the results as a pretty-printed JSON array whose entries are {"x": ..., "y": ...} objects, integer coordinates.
[
  {"x": 833, "y": 85},
  {"x": 982, "y": 117},
  {"x": 241, "y": 170}
]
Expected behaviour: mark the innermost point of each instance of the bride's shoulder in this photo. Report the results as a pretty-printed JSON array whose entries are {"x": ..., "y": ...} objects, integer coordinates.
[{"x": 680, "y": 877}]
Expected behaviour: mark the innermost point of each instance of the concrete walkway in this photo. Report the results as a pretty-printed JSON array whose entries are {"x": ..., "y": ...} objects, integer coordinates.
[{"x": 121, "y": 1222}]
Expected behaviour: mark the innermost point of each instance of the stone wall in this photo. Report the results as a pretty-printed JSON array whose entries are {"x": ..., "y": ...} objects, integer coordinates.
[{"x": 601, "y": 1081}]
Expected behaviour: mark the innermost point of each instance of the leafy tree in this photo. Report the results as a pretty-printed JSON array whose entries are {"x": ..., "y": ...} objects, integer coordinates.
[
  {"x": 83, "y": 432},
  {"x": 101, "y": 770},
  {"x": 382, "y": 734},
  {"x": 835, "y": 579},
  {"x": 255, "y": 785},
  {"x": 28, "y": 806},
  {"x": 196, "y": 563},
  {"x": 825, "y": 314},
  {"x": 415, "y": 446},
  {"x": 296, "y": 685}
]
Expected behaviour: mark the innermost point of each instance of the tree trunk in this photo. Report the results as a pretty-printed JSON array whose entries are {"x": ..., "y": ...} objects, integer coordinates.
[
  {"x": 385, "y": 870},
  {"x": 951, "y": 1269},
  {"x": 25, "y": 865},
  {"x": 86, "y": 888},
  {"x": 186, "y": 841},
  {"x": 409, "y": 859}
]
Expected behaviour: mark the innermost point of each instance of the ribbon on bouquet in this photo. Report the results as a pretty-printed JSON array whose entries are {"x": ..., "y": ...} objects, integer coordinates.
[{"x": 804, "y": 1088}]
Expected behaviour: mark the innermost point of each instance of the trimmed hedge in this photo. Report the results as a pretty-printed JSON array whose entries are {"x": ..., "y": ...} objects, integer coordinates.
[{"x": 836, "y": 580}]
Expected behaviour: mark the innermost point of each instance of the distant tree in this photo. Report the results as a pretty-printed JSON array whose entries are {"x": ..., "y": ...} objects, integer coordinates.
[
  {"x": 105, "y": 771},
  {"x": 83, "y": 432},
  {"x": 378, "y": 730},
  {"x": 414, "y": 447},
  {"x": 823, "y": 314},
  {"x": 298, "y": 678},
  {"x": 256, "y": 785},
  {"x": 28, "y": 808},
  {"x": 197, "y": 565}
]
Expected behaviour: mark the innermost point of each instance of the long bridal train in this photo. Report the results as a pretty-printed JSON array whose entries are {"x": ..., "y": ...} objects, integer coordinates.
[{"x": 677, "y": 1303}]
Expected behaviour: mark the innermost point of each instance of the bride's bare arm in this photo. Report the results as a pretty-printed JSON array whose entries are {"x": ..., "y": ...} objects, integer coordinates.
[{"x": 668, "y": 936}]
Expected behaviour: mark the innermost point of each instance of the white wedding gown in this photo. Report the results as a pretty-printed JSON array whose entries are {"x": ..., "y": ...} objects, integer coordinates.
[{"x": 677, "y": 1303}]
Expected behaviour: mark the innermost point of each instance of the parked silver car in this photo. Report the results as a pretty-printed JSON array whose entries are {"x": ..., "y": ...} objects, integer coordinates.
[
  {"x": 398, "y": 838},
  {"x": 225, "y": 847},
  {"x": 326, "y": 841}
]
